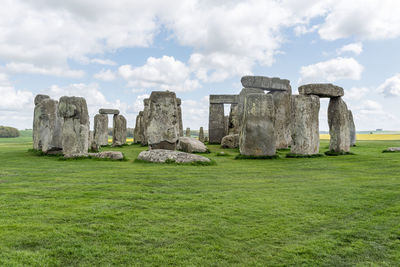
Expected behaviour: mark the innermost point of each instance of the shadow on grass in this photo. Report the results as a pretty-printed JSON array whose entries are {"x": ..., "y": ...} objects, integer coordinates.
[{"x": 340, "y": 153}]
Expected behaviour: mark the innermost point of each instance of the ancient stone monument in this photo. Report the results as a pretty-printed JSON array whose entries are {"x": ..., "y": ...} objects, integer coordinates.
[
  {"x": 201, "y": 135},
  {"x": 75, "y": 130},
  {"x": 339, "y": 126},
  {"x": 179, "y": 103},
  {"x": 47, "y": 125},
  {"x": 191, "y": 145},
  {"x": 305, "y": 124},
  {"x": 145, "y": 120},
  {"x": 257, "y": 136},
  {"x": 352, "y": 128},
  {"x": 119, "y": 130},
  {"x": 230, "y": 141},
  {"x": 187, "y": 133},
  {"x": 217, "y": 121},
  {"x": 162, "y": 127},
  {"x": 100, "y": 134},
  {"x": 136, "y": 136}
]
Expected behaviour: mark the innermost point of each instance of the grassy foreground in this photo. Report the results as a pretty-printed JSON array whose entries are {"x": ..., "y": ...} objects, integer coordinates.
[{"x": 340, "y": 211}]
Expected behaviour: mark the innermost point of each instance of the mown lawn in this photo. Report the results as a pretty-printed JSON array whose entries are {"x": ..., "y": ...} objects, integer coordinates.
[{"x": 340, "y": 211}]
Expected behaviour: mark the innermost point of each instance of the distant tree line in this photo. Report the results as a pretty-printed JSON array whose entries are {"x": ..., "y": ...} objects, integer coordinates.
[{"x": 8, "y": 132}]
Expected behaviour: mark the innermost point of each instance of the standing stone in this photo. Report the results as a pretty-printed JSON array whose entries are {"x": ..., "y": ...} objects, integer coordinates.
[
  {"x": 93, "y": 145},
  {"x": 226, "y": 126},
  {"x": 216, "y": 123},
  {"x": 75, "y": 130},
  {"x": 282, "y": 120},
  {"x": 163, "y": 125},
  {"x": 100, "y": 135},
  {"x": 305, "y": 124},
  {"x": 179, "y": 103},
  {"x": 142, "y": 129},
  {"x": 119, "y": 130},
  {"x": 242, "y": 96},
  {"x": 352, "y": 128},
  {"x": 136, "y": 132},
  {"x": 339, "y": 126},
  {"x": 46, "y": 125},
  {"x": 187, "y": 133},
  {"x": 234, "y": 123},
  {"x": 145, "y": 120},
  {"x": 201, "y": 135},
  {"x": 257, "y": 136}
]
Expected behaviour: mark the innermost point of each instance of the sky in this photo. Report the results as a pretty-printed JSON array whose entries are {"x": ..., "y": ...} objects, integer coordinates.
[{"x": 115, "y": 53}]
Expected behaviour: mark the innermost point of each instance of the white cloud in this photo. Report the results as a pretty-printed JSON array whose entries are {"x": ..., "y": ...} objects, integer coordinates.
[
  {"x": 139, "y": 105},
  {"x": 105, "y": 75},
  {"x": 355, "y": 48},
  {"x": 165, "y": 73},
  {"x": 12, "y": 99},
  {"x": 363, "y": 19},
  {"x": 195, "y": 113},
  {"x": 355, "y": 93},
  {"x": 391, "y": 86},
  {"x": 103, "y": 61},
  {"x": 332, "y": 70},
  {"x": 32, "y": 69}
]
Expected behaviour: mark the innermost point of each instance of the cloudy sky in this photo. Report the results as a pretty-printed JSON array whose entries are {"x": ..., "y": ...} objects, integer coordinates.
[{"x": 114, "y": 53}]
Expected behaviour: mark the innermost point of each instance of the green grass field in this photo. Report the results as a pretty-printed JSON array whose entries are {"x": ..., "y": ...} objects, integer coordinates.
[{"x": 328, "y": 211}]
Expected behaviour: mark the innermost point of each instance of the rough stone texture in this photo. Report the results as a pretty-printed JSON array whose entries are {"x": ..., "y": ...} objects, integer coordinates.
[
  {"x": 339, "y": 126},
  {"x": 226, "y": 125},
  {"x": 162, "y": 155},
  {"x": 101, "y": 129},
  {"x": 47, "y": 125},
  {"x": 179, "y": 103},
  {"x": 230, "y": 141},
  {"x": 216, "y": 123},
  {"x": 321, "y": 90},
  {"x": 201, "y": 135},
  {"x": 242, "y": 96},
  {"x": 234, "y": 124},
  {"x": 142, "y": 129},
  {"x": 75, "y": 130},
  {"x": 163, "y": 126},
  {"x": 282, "y": 120},
  {"x": 114, "y": 155},
  {"x": 145, "y": 120},
  {"x": 39, "y": 98},
  {"x": 119, "y": 130},
  {"x": 257, "y": 136},
  {"x": 109, "y": 111},
  {"x": 187, "y": 133},
  {"x": 393, "y": 149},
  {"x": 224, "y": 99},
  {"x": 266, "y": 83},
  {"x": 352, "y": 128},
  {"x": 190, "y": 145},
  {"x": 305, "y": 124},
  {"x": 136, "y": 133}
]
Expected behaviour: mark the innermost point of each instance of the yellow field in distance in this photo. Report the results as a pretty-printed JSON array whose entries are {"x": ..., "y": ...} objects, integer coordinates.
[{"x": 370, "y": 137}]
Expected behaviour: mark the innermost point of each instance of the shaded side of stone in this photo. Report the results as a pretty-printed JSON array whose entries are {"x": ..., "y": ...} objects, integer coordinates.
[
  {"x": 100, "y": 134},
  {"x": 119, "y": 130},
  {"x": 339, "y": 126},
  {"x": 216, "y": 123},
  {"x": 282, "y": 120},
  {"x": 352, "y": 128}
]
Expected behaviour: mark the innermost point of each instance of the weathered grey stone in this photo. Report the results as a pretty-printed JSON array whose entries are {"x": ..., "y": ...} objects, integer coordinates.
[
  {"x": 119, "y": 130},
  {"x": 226, "y": 125},
  {"x": 201, "y": 135},
  {"x": 242, "y": 96},
  {"x": 114, "y": 155},
  {"x": 179, "y": 103},
  {"x": 224, "y": 99},
  {"x": 163, "y": 125},
  {"x": 266, "y": 83},
  {"x": 230, "y": 141},
  {"x": 257, "y": 136},
  {"x": 162, "y": 155},
  {"x": 191, "y": 145},
  {"x": 216, "y": 123},
  {"x": 75, "y": 130},
  {"x": 305, "y": 124},
  {"x": 393, "y": 149},
  {"x": 339, "y": 128},
  {"x": 109, "y": 111},
  {"x": 100, "y": 135},
  {"x": 282, "y": 119},
  {"x": 187, "y": 133},
  {"x": 321, "y": 90},
  {"x": 352, "y": 128},
  {"x": 145, "y": 120},
  {"x": 39, "y": 98},
  {"x": 234, "y": 123},
  {"x": 47, "y": 125},
  {"x": 136, "y": 133},
  {"x": 142, "y": 129}
]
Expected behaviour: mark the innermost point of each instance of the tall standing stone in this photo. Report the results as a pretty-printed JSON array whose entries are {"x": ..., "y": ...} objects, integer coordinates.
[
  {"x": 100, "y": 134},
  {"x": 136, "y": 133},
  {"x": 179, "y": 103},
  {"x": 282, "y": 120},
  {"x": 75, "y": 130},
  {"x": 352, "y": 128},
  {"x": 216, "y": 123},
  {"x": 187, "y": 133},
  {"x": 163, "y": 125},
  {"x": 305, "y": 124},
  {"x": 226, "y": 125},
  {"x": 47, "y": 125},
  {"x": 257, "y": 136},
  {"x": 234, "y": 123},
  {"x": 145, "y": 120},
  {"x": 201, "y": 135},
  {"x": 339, "y": 126},
  {"x": 119, "y": 130},
  {"x": 242, "y": 97}
]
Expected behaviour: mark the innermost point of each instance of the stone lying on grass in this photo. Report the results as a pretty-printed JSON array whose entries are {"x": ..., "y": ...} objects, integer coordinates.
[
  {"x": 393, "y": 149},
  {"x": 163, "y": 155},
  {"x": 113, "y": 155},
  {"x": 190, "y": 145},
  {"x": 230, "y": 141}
]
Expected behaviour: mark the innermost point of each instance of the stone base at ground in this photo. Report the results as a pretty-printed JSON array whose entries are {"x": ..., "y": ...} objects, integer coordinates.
[
  {"x": 114, "y": 155},
  {"x": 162, "y": 155},
  {"x": 190, "y": 145},
  {"x": 230, "y": 141}
]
